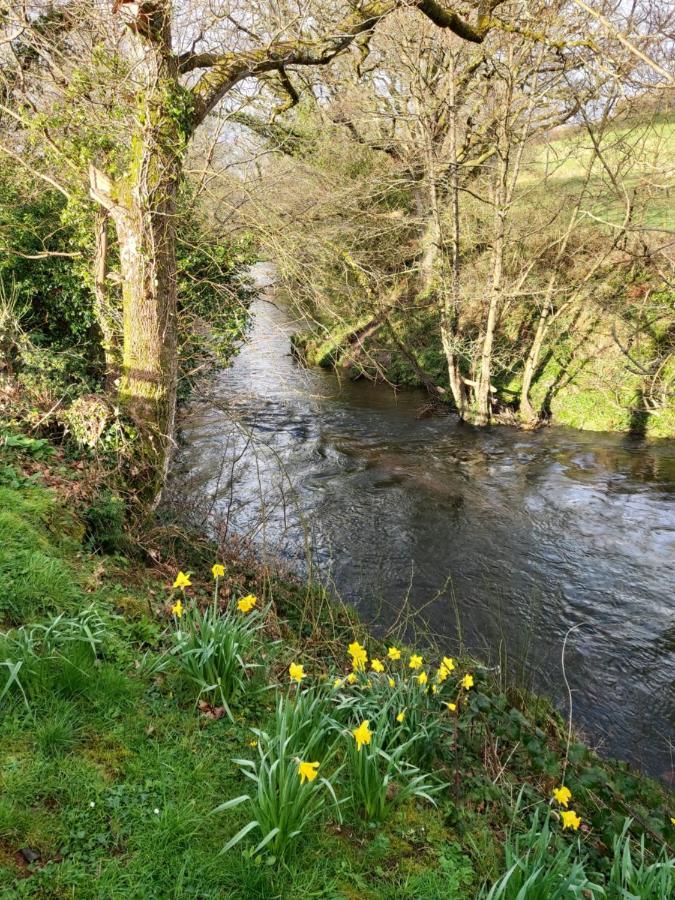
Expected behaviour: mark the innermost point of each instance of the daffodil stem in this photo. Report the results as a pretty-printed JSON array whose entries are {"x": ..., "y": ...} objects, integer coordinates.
[{"x": 456, "y": 752}]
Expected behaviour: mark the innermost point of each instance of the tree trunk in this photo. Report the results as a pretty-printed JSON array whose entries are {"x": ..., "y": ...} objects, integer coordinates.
[
  {"x": 104, "y": 308},
  {"x": 429, "y": 264},
  {"x": 452, "y": 299},
  {"x": 142, "y": 204},
  {"x": 482, "y": 407},
  {"x": 147, "y": 245},
  {"x": 435, "y": 275},
  {"x": 527, "y": 412}
]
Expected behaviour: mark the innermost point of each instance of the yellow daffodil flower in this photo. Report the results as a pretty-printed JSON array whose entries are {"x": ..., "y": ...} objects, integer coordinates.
[
  {"x": 307, "y": 771},
  {"x": 467, "y": 682},
  {"x": 247, "y": 603},
  {"x": 423, "y": 678},
  {"x": 217, "y": 570},
  {"x": 401, "y": 716},
  {"x": 434, "y": 689},
  {"x": 392, "y": 683},
  {"x": 562, "y": 795},
  {"x": 445, "y": 668},
  {"x": 177, "y": 609},
  {"x": 451, "y": 706},
  {"x": 362, "y": 734},
  {"x": 338, "y": 683},
  {"x": 415, "y": 661},
  {"x": 352, "y": 678},
  {"x": 376, "y": 665},
  {"x": 393, "y": 653},
  {"x": 672, "y": 820},
  {"x": 570, "y": 819},
  {"x": 296, "y": 671},
  {"x": 358, "y": 655},
  {"x": 253, "y": 743},
  {"x": 182, "y": 581}
]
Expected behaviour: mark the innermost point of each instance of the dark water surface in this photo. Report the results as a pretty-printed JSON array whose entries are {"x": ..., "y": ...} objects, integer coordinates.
[{"x": 531, "y": 533}]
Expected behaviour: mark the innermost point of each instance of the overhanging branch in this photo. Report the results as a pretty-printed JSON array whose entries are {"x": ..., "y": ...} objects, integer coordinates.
[{"x": 224, "y": 71}]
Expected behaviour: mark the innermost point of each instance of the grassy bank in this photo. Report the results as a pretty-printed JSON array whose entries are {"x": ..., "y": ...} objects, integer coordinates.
[
  {"x": 130, "y": 710},
  {"x": 583, "y": 381}
]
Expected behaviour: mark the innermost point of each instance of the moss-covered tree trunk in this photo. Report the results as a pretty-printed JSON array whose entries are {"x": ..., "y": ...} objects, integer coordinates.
[
  {"x": 104, "y": 304},
  {"x": 145, "y": 227},
  {"x": 142, "y": 204}
]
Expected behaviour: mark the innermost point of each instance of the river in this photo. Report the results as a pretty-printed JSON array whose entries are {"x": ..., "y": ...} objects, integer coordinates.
[{"x": 517, "y": 536}]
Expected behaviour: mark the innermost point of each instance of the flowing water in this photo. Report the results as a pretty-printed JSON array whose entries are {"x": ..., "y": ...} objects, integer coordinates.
[{"x": 519, "y": 536}]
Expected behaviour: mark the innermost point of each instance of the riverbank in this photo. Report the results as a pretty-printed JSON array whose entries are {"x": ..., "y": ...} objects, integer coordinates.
[
  {"x": 589, "y": 388},
  {"x": 112, "y": 762}
]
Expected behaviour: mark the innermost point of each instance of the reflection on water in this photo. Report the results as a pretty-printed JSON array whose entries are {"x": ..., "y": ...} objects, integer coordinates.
[{"x": 531, "y": 533}]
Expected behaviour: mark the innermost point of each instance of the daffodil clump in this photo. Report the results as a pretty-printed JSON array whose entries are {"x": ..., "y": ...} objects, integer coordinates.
[
  {"x": 214, "y": 648},
  {"x": 379, "y": 778},
  {"x": 381, "y": 717},
  {"x": 292, "y": 791},
  {"x": 416, "y": 694}
]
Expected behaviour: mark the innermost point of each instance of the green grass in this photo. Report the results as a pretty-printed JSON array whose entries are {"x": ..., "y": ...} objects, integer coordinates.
[
  {"x": 111, "y": 774},
  {"x": 641, "y": 152},
  {"x": 37, "y": 540}
]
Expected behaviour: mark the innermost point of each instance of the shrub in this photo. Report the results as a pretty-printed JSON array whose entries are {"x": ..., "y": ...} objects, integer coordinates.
[{"x": 104, "y": 524}]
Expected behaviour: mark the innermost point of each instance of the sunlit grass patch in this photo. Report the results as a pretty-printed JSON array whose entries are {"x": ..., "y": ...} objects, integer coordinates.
[
  {"x": 35, "y": 574},
  {"x": 32, "y": 583}
]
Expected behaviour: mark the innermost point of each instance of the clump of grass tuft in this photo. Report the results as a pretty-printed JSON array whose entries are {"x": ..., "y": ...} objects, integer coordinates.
[
  {"x": 57, "y": 732},
  {"x": 633, "y": 875},
  {"x": 56, "y": 657},
  {"x": 34, "y": 582}
]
